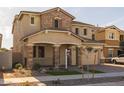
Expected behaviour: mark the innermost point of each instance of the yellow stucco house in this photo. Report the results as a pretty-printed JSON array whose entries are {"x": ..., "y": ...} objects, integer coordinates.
[{"x": 53, "y": 38}]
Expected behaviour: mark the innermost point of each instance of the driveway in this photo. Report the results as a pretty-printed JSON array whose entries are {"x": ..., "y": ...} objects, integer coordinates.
[{"x": 107, "y": 67}]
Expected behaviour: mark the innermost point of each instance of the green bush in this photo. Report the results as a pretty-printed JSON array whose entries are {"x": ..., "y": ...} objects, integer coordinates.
[
  {"x": 18, "y": 66},
  {"x": 36, "y": 66}
]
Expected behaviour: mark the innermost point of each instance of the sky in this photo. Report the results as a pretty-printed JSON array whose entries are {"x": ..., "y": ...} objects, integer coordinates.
[{"x": 101, "y": 16}]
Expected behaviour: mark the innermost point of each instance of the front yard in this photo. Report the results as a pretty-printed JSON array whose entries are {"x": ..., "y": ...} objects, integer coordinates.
[{"x": 16, "y": 73}]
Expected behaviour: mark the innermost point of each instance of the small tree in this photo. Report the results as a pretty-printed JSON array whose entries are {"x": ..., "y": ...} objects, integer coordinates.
[
  {"x": 89, "y": 50},
  {"x": 95, "y": 51}
]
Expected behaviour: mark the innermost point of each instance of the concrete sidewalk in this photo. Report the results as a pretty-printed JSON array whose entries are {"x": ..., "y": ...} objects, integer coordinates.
[
  {"x": 120, "y": 83},
  {"x": 50, "y": 78}
]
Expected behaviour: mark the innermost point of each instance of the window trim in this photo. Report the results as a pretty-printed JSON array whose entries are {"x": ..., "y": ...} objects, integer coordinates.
[
  {"x": 93, "y": 36},
  {"x": 85, "y": 33},
  {"x": 109, "y": 37},
  {"x": 31, "y": 20},
  {"x": 43, "y": 55},
  {"x": 110, "y": 49},
  {"x": 77, "y": 31},
  {"x": 55, "y": 23}
]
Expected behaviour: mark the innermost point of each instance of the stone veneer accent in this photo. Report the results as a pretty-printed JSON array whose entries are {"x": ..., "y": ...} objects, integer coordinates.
[
  {"x": 47, "y": 20},
  {"x": 29, "y": 57},
  {"x": 56, "y": 56},
  {"x": 79, "y": 56}
]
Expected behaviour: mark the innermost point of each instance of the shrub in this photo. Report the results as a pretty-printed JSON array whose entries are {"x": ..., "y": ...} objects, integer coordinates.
[
  {"x": 36, "y": 66},
  {"x": 18, "y": 66}
]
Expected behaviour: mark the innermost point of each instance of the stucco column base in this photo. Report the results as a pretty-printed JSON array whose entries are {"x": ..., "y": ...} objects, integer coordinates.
[{"x": 56, "y": 56}]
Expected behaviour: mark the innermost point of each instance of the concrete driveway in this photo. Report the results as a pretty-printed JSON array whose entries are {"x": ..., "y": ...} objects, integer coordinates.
[{"x": 108, "y": 67}]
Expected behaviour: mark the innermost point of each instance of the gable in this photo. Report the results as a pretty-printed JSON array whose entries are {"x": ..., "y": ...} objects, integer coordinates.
[
  {"x": 113, "y": 27},
  {"x": 48, "y": 18},
  {"x": 54, "y": 38},
  {"x": 58, "y": 10}
]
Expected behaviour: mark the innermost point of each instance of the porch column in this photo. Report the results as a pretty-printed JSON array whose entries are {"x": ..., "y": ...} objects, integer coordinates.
[
  {"x": 56, "y": 56},
  {"x": 29, "y": 57},
  {"x": 79, "y": 57}
]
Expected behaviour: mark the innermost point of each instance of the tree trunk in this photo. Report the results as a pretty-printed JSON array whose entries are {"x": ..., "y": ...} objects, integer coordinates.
[{"x": 94, "y": 66}]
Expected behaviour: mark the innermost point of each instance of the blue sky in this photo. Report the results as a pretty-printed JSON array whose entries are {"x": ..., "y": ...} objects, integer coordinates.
[{"x": 102, "y": 16}]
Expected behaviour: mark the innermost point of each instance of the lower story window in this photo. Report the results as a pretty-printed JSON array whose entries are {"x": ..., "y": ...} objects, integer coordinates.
[
  {"x": 110, "y": 52},
  {"x": 41, "y": 51},
  {"x": 34, "y": 51}
]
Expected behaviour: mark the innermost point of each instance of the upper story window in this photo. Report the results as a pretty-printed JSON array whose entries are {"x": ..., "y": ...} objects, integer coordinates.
[
  {"x": 93, "y": 37},
  {"x": 56, "y": 23},
  {"x": 85, "y": 31},
  {"x": 32, "y": 20},
  {"x": 111, "y": 36},
  {"x": 121, "y": 37},
  {"x": 76, "y": 31}
]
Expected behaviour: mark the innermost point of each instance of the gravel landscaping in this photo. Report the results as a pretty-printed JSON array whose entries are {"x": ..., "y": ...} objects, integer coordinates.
[{"x": 25, "y": 84}]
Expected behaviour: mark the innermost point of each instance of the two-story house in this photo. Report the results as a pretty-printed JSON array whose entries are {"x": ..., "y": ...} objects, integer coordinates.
[
  {"x": 52, "y": 38},
  {"x": 110, "y": 36}
]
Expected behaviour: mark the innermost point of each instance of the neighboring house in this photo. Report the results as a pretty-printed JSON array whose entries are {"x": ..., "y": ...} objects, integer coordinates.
[
  {"x": 52, "y": 38},
  {"x": 111, "y": 36},
  {"x": 1, "y": 36}
]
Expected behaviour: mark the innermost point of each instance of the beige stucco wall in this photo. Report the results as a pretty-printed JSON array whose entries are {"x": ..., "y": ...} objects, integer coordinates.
[
  {"x": 48, "y": 59},
  {"x": 54, "y": 38},
  {"x": 116, "y": 32},
  {"x": 6, "y": 60},
  {"x": 26, "y": 28},
  {"x": 88, "y": 58},
  {"x": 81, "y": 30},
  {"x": 23, "y": 28},
  {"x": 100, "y": 35}
]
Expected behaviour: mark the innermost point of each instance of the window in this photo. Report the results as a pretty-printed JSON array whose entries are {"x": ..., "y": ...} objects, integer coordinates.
[
  {"x": 111, "y": 36},
  {"x": 93, "y": 37},
  {"x": 76, "y": 31},
  {"x": 32, "y": 20},
  {"x": 121, "y": 38},
  {"x": 34, "y": 51},
  {"x": 56, "y": 23},
  {"x": 41, "y": 52},
  {"x": 110, "y": 52},
  {"x": 85, "y": 31}
]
